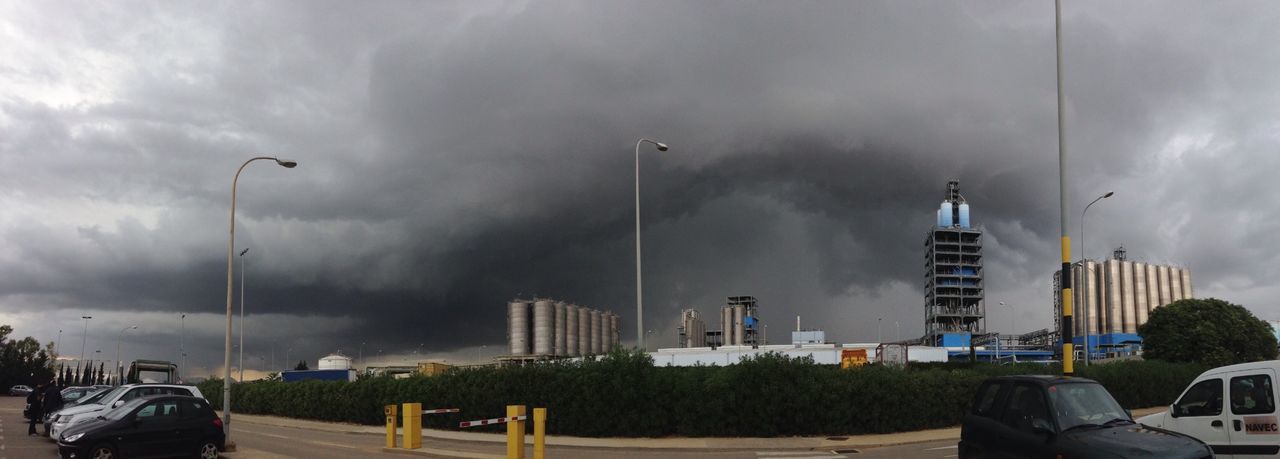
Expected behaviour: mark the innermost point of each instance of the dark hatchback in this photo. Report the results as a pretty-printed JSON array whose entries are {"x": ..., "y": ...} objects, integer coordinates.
[
  {"x": 156, "y": 426},
  {"x": 1058, "y": 417}
]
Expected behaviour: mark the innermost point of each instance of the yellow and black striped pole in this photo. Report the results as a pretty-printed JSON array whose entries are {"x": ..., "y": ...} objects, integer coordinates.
[{"x": 1068, "y": 354}]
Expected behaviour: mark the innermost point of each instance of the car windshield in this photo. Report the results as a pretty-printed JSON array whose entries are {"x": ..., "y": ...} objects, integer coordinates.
[
  {"x": 102, "y": 396},
  {"x": 123, "y": 411},
  {"x": 1085, "y": 404}
]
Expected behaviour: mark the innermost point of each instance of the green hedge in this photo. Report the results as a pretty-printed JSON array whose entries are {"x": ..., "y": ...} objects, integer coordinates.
[{"x": 623, "y": 394}]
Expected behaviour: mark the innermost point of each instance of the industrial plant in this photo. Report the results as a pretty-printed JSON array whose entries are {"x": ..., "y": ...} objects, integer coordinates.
[
  {"x": 1115, "y": 296},
  {"x": 954, "y": 301},
  {"x": 545, "y": 329},
  {"x": 739, "y": 325}
]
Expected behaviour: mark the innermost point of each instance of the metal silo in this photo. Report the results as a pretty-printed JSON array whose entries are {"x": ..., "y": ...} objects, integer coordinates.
[
  {"x": 1186, "y": 283},
  {"x": 726, "y": 326},
  {"x": 1175, "y": 284},
  {"x": 557, "y": 346},
  {"x": 604, "y": 333},
  {"x": 596, "y": 347},
  {"x": 1127, "y": 303},
  {"x": 739, "y": 329},
  {"x": 1140, "y": 292},
  {"x": 584, "y": 331},
  {"x": 543, "y": 326},
  {"x": 518, "y": 326},
  {"x": 571, "y": 330},
  {"x": 614, "y": 342}
]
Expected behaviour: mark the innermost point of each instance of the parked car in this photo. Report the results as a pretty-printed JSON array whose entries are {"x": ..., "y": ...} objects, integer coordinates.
[
  {"x": 92, "y": 398},
  {"x": 1248, "y": 428},
  {"x": 151, "y": 426},
  {"x": 114, "y": 398},
  {"x": 71, "y": 394},
  {"x": 1054, "y": 416},
  {"x": 19, "y": 390}
]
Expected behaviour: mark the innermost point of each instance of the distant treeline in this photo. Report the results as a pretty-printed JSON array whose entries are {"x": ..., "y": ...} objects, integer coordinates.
[{"x": 624, "y": 395}]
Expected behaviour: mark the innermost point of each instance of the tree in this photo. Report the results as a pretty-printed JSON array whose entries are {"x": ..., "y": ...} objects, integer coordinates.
[
  {"x": 23, "y": 361},
  {"x": 302, "y": 365},
  {"x": 1208, "y": 331}
]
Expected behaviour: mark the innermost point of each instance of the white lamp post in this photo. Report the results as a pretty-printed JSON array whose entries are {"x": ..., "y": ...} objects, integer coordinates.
[
  {"x": 231, "y": 244},
  {"x": 639, "y": 289},
  {"x": 1084, "y": 269},
  {"x": 242, "y": 252}
]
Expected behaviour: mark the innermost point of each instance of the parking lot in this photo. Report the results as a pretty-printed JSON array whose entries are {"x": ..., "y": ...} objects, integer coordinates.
[{"x": 14, "y": 442}]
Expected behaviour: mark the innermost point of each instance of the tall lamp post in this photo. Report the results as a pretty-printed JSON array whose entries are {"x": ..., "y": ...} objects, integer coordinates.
[
  {"x": 120, "y": 337},
  {"x": 1068, "y": 354},
  {"x": 84, "y": 336},
  {"x": 1084, "y": 269},
  {"x": 640, "y": 290},
  {"x": 242, "y": 252},
  {"x": 231, "y": 245},
  {"x": 182, "y": 346}
]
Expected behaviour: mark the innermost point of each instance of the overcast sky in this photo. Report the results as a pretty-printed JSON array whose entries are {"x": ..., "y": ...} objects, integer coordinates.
[{"x": 454, "y": 155}]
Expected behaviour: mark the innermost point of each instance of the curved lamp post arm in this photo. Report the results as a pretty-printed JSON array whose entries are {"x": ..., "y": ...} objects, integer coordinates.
[{"x": 640, "y": 335}]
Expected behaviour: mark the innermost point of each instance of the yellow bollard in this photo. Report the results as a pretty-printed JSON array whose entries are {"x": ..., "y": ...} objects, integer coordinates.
[
  {"x": 390, "y": 411},
  {"x": 515, "y": 433},
  {"x": 539, "y": 433},
  {"x": 412, "y": 426}
]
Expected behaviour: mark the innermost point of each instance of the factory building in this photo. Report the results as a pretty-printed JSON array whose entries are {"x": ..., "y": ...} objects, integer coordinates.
[
  {"x": 692, "y": 329},
  {"x": 1113, "y": 297},
  {"x": 954, "y": 297},
  {"x": 542, "y": 329}
]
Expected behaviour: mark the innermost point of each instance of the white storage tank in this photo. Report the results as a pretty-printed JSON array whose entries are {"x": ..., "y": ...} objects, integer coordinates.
[
  {"x": 543, "y": 326},
  {"x": 596, "y": 345},
  {"x": 604, "y": 333},
  {"x": 335, "y": 361},
  {"x": 584, "y": 331},
  {"x": 557, "y": 346},
  {"x": 518, "y": 326},
  {"x": 571, "y": 330}
]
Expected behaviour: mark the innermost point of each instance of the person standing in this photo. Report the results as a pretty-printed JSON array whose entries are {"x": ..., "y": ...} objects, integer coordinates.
[
  {"x": 52, "y": 399},
  {"x": 33, "y": 404}
]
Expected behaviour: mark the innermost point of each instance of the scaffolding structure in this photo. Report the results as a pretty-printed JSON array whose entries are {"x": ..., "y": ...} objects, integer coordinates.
[{"x": 954, "y": 293}]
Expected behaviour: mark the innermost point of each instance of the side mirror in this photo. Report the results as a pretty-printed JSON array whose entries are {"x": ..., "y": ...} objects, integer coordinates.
[
  {"x": 117, "y": 403},
  {"x": 1042, "y": 426}
]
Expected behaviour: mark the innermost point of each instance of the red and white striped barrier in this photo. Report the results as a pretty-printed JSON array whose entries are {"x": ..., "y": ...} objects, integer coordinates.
[
  {"x": 441, "y": 410},
  {"x": 486, "y": 422}
]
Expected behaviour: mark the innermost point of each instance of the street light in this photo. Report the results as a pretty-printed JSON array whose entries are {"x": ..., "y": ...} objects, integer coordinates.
[
  {"x": 231, "y": 245},
  {"x": 84, "y": 337},
  {"x": 242, "y": 252},
  {"x": 182, "y": 347},
  {"x": 120, "y": 337},
  {"x": 878, "y": 340},
  {"x": 639, "y": 290},
  {"x": 57, "y": 345},
  {"x": 1084, "y": 270}
]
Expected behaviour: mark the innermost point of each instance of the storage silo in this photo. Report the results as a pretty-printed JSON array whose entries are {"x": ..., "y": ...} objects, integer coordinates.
[
  {"x": 944, "y": 214},
  {"x": 604, "y": 333},
  {"x": 726, "y": 326},
  {"x": 1186, "y": 284},
  {"x": 557, "y": 346},
  {"x": 584, "y": 331},
  {"x": 1175, "y": 284},
  {"x": 518, "y": 326},
  {"x": 543, "y": 326},
  {"x": 571, "y": 330},
  {"x": 964, "y": 215},
  {"x": 739, "y": 328},
  {"x": 614, "y": 341},
  {"x": 596, "y": 346}
]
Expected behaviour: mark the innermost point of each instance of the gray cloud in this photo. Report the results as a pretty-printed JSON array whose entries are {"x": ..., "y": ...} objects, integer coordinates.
[{"x": 453, "y": 156}]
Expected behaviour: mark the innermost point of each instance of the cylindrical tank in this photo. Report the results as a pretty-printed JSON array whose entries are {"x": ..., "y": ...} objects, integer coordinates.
[
  {"x": 571, "y": 330},
  {"x": 964, "y": 215},
  {"x": 604, "y": 333},
  {"x": 518, "y": 326},
  {"x": 944, "y": 214},
  {"x": 335, "y": 362},
  {"x": 1127, "y": 303},
  {"x": 543, "y": 326},
  {"x": 1140, "y": 292},
  {"x": 739, "y": 328},
  {"x": 1186, "y": 283},
  {"x": 1162, "y": 276},
  {"x": 726, "y": 326},
  {"x": 584, "y": 331},
  {"x": 1175, "y": 284},
  {"x": 557, "y": 347},
  {"x": 596, "y": 346},
  {"x": 613, "y": 331}
]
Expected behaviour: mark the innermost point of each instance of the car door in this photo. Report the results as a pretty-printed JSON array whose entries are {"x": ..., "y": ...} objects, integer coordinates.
[
  {"x": 1254, "y": 428},
  {"x": 146, "y": 435},
  {"x": 1028, "y": 421},
  {"x": 982, "y": 427},
  {"x": 1199, "y": 413}
]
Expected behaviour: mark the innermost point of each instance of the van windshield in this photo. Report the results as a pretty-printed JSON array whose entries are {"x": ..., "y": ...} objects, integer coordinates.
[{"x": 1078, "y": 404}]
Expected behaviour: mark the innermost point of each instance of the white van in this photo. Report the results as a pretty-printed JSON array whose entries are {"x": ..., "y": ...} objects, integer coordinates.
[{"x": 1245, "y": 426}]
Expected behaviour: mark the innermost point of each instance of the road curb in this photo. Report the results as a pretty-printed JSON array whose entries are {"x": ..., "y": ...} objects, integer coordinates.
[{"x": 433, "y": 452}]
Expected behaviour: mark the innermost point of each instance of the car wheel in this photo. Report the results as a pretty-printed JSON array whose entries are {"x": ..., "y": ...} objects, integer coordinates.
[
  {"x": 208, "y": 450},
  {"x": 103, "y": 451}
]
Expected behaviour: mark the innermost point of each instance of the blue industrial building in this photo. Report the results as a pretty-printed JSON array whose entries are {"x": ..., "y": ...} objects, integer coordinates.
[{"x": 954, "y": 299}]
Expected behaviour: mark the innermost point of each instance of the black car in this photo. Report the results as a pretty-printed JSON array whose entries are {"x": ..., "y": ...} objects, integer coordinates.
[
  {"x": 156, "y": 426},
  {"x": 1054, "y": 416}
]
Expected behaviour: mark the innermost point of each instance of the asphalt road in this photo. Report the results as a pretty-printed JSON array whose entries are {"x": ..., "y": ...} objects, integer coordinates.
[{"x": 267, "y": 441}]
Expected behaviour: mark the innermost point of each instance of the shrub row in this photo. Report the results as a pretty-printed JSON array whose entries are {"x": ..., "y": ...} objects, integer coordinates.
[{"x": 623, "y": 394}]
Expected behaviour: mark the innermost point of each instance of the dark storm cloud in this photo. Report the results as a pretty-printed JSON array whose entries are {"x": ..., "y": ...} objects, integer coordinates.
[{"x": 453, "y": 156}]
